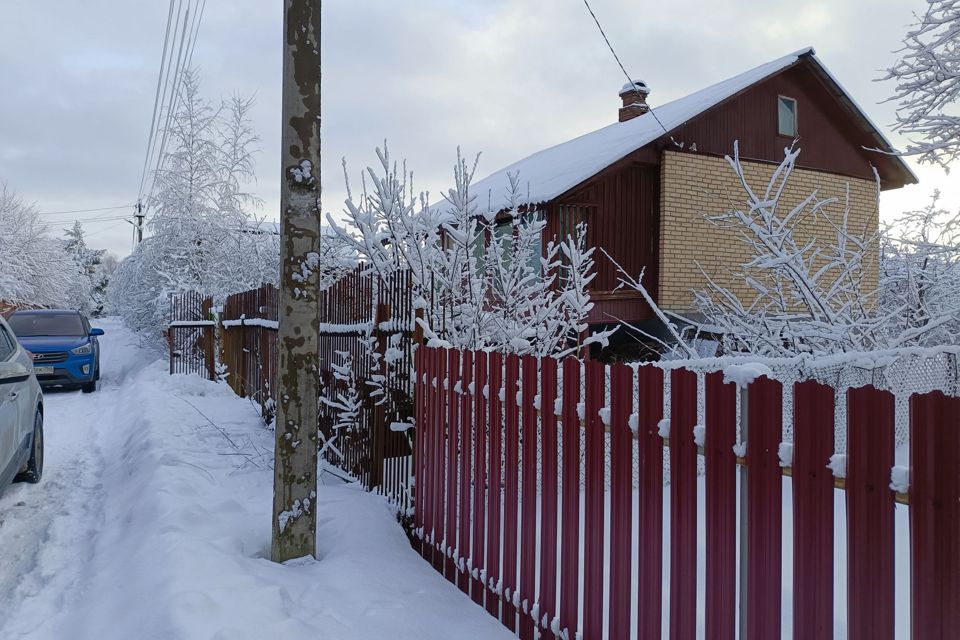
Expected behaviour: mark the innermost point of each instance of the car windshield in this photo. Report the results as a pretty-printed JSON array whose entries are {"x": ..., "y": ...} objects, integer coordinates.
[{"x": 26, "y": 325}]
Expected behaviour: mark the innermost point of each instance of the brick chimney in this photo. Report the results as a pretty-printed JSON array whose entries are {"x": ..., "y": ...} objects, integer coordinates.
[{"x": 634, "y": 95}]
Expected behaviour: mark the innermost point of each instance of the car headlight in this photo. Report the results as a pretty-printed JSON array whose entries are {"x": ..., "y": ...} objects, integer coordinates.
[{"x": 82, "y": 351}]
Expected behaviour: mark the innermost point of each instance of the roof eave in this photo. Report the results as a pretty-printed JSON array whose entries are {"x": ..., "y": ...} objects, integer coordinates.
[{"x": 884, "y": 146}]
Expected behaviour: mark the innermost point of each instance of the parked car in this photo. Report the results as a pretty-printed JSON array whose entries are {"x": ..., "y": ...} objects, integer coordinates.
[
  {"x": 21, "y": 413},
  {"x": 65, "y": 349}
]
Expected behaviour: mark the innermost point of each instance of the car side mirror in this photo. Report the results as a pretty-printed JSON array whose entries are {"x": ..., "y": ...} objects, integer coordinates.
[
  {"x": 96, "y": 332},
  {"x": 12, "y": 372}
]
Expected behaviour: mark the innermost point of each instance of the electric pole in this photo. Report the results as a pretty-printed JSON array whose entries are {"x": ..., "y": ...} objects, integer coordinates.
[
  {"x": 295, "y": 456},
  {"x": 139, "y": 226}
]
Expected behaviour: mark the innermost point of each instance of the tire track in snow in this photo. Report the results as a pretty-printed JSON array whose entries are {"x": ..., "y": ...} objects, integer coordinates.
[{"x": 49, "y": 530}]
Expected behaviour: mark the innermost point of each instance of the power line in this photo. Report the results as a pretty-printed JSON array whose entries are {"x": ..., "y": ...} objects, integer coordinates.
[
  {"x": 174, "y": 99},
  {"x": 68, "y": 223},
  {"x": 56, "y": 213},
  {"x": 156, "y": 101},
  {"x": 617, "y": 58}
]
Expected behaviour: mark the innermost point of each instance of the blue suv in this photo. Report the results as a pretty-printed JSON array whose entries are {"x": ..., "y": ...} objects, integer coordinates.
[{"x": 65, "y": 349}]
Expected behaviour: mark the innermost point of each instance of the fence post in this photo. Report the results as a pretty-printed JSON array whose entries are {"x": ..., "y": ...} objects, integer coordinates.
[{"x": 210, "y": 342}]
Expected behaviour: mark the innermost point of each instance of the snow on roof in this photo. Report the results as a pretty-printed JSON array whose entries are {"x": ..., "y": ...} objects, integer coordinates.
[
  {"x": 554, "y": 171},
  {"x": 636, "y": 85}
]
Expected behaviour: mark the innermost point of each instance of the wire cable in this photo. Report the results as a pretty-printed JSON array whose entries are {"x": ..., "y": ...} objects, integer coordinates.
[
  {"x": 617, "y": 58},
  {"x": 156, "y": 101},
  {"x": 174, "y": 100},
  {"x": 57, "y": 213}
]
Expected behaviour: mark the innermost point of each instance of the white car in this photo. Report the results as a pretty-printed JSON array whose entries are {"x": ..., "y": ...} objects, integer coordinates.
[{"x": 21, "y": 413}]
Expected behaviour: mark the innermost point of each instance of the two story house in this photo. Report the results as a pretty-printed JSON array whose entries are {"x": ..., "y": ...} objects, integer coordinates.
[{"x": 644, "y": 183}]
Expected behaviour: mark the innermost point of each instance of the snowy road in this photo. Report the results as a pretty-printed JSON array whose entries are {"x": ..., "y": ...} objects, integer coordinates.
[
  {"x": 47, "y": 531},
  {"x": 153, "y": 521}
]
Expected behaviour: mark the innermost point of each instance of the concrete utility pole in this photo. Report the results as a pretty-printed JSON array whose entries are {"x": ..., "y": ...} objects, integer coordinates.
[
  {"x": 295, "y": 467},
  {"x": 139, "y": 225}
]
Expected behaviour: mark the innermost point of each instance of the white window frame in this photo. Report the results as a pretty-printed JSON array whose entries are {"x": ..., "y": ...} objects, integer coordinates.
[{"x": 796, "y": 116}]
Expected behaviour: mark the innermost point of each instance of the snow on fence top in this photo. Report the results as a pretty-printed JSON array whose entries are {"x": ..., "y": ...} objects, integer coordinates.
[
  {"x": 904, "y": 371},
  {"x": 554, "y": 171}
]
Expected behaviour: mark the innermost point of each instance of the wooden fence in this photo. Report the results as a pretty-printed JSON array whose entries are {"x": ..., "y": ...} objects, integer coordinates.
[
  {"x": 248, "y": 346},
  {"x": 365, "y": 320},
  {"x": 548, "y": 505},
  {"x": 191, "y": 335}
]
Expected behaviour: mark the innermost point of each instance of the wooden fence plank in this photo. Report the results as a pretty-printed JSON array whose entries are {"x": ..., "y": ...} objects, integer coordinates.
[
  {"x": 813, "y": 406},
  {"x": 621, "y": 499},
  {"x": 570, "y": 541},
  {"x": 935, "y": 516},
  {"x": 721, "y": 508},
  {"x": 593, "y": 495},
  {"x": 650, "y": 502},
  {"x": 466, "y": 467},
  {"x": 870, "y": 505},
  {"x": 683, "y": 505},
  {"x": 528, "y": 535},
  {"x": 453, "y": 445},
  {"x": 494, "y": 495},
  {"x": 420, "y": 467},
  {"x": 439, "y": 449},
  {"x": 511, "y": 489},
  {"x": 481, "y": 462},
  {"x": 764, "y": 509},
  {"x": 548, "y": 505}
]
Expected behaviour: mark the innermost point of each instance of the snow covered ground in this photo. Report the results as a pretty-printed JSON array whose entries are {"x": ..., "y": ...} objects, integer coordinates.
[{"x": 153, "y": 521}]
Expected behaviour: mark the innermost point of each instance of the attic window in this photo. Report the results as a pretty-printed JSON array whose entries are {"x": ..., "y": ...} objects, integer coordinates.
[{"x": 786, "y": 116}]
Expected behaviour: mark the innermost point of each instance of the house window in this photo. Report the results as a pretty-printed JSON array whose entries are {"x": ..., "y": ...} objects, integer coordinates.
[{"x": 786, "y": 116}]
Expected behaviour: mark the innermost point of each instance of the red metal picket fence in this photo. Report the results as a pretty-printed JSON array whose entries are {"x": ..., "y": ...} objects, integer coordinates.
[{"x": 548, "y": 506}]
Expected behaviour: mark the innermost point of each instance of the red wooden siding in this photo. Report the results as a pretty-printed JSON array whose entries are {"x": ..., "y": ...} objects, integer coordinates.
[
  {"x": 622, "y": 211},
  {"x": 831, "y": 139}
]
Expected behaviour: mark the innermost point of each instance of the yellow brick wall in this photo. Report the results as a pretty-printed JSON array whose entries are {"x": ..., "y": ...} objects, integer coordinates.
[{"x": 693, "y": 185}]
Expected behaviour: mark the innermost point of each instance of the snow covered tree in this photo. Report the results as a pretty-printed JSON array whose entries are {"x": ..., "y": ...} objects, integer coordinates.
[
  {"x": 35, "y": 271},
  {"x": 928, "y": 83},
  {"x": 203, "y": 233},
  {"x": 920, "y": 273},
  {"x": 483, "y": 279},
  {"x": 87, "y": 262},
  {"x": 812, "y": 296}
]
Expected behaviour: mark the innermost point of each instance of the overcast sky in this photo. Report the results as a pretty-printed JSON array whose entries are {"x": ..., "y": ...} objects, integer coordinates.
[{"x": 501, "y": 77}]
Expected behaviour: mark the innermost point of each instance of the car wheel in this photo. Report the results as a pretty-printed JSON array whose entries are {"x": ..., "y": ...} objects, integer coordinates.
[
  {"x": 35, "y": 465},
  {"x": 90, "y": 387}
]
